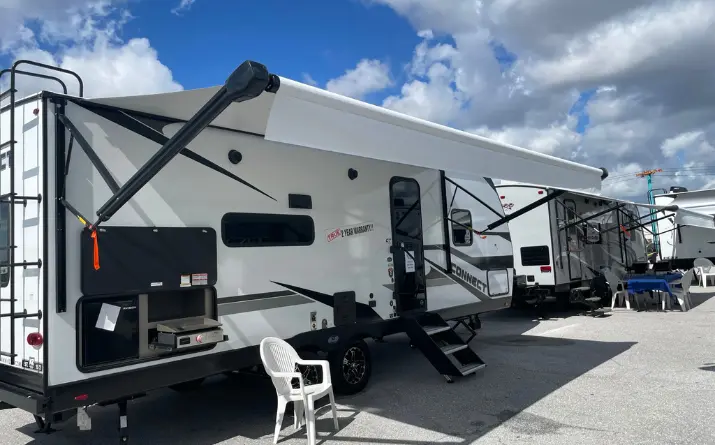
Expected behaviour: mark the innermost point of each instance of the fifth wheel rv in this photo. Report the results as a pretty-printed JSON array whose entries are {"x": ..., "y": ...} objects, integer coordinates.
[{"x": 153, "y": 241}]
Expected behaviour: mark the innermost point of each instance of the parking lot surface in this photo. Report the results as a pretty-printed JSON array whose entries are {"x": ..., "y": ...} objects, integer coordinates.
[{"x": 630, "y": 378}]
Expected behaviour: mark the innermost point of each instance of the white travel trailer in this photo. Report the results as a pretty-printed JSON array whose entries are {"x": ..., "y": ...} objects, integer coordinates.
[
  {"x": 563, "y": 243},
  {"x": 681, "y": 244},
  {"x": 290, "y": 212}
]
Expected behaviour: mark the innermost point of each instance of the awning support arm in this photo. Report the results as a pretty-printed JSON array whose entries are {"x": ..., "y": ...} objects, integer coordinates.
[
  {"x": 595, "y": 215},
  {"x": 248, "y": 81},
  {"x": 549, "y": 197},
  {"x": 639, "y": 225}
]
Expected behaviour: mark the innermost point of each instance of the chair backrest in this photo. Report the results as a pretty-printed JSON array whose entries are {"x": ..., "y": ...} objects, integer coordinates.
[
  {"x": 278, "y": 356},
  {"x": 705, "y": 263},
  {"x": 612, "y": 279}
]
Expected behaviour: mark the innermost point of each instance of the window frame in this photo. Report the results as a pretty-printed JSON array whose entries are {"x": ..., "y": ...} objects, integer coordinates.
[
  {"x": 453, "y": 224},
  {"x": 548, "y": 255},
  {"x": 287, "y": 217}
]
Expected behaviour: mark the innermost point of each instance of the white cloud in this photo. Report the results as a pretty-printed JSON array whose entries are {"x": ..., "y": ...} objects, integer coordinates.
[
  {"x": 184, "y": 5},
  {"x": 683, "y": 141},
  {"x": 644, "y": 59},
  {"x": 307, "y": 78},
  {"x": 85, "y": 37},
  {"x": 367, "y": 77}
]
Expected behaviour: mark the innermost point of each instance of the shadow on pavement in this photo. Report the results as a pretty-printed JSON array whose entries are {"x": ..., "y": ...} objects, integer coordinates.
[{"x": 521, "y": 370}]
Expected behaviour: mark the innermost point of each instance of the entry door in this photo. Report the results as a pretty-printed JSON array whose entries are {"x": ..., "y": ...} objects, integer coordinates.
[
  {"x": 407, "y": 246},
  {"x": 573, "y": 242}
]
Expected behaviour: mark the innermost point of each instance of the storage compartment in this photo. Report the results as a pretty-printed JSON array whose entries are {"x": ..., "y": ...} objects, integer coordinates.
[
  {"x": 118, "y": 331},
  {"x": 135, "y": 260},
  {"x": 110, "y": 331}
]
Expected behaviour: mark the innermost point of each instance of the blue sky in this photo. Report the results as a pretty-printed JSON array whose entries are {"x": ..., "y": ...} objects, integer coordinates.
[{"x": 322, "y": 38}]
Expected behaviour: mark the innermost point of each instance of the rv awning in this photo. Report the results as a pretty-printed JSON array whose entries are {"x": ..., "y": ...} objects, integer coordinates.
[
  {"x": 302, "y": 115},
  {"x": 683, "y": 216}
]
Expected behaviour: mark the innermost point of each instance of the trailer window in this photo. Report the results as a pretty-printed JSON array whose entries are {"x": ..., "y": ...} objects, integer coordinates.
[
  {"x": 266, "y": 230},
  {"x": 535, "y": 256},
  {"x": 461, "y": 235}
]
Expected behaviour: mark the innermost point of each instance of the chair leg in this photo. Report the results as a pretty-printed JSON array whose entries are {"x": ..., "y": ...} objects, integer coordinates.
[
  {"x": 279, "y": 418},
  {"x": 299, "y": 420},
  {"x": 310, "y": 417},
  {"x": 334, "y": 409}
]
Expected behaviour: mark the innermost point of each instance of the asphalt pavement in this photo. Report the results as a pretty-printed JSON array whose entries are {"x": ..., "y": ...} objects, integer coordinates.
[{"x": 630, "y": 378}]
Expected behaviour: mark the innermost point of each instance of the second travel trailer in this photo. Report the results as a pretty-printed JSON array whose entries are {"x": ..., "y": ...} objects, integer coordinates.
[
  {"x": 563, "y": 238},
  {"x": 155, "y": 240}
]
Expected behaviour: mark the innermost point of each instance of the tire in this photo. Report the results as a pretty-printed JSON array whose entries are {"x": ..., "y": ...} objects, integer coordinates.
[
  {"x": 351, "y": 367},
  {"x": 191, "y": 385}
]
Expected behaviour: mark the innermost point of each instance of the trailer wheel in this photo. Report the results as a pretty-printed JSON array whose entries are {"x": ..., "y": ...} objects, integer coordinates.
[
  {"x": 351, "y": 367},
  {"x": 187, "y": 386}
]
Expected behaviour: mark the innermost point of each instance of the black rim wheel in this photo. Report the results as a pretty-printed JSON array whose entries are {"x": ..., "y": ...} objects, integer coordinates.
[{"x": 354, "y": 366}]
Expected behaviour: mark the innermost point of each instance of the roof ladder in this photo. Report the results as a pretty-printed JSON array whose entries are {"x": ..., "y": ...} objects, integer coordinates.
[{"x": 9, "y": 200}]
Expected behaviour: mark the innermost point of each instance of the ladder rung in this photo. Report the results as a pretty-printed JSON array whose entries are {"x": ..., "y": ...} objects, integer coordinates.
[
  {"x": 37, "y": 263},
  {"x": 6, "y": 144},
  {"x": 19, "y": 198},
  {"x": 37, "y": 198},
  {"x": 5, "y": 94},
  {"x": 7, "y": 299},
  {"x": 7, "y": 354},
  {"x": 22, "y": 314},
  {"x": 6, "y": 248}
]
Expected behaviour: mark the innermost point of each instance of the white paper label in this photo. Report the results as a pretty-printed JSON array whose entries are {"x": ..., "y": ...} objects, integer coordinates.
[
  {"x": 84, "y": 422},
  {"x": 409, "y": 261},
  {"x": 108, "y": 315},
  {"x": 185, "y": 281}
]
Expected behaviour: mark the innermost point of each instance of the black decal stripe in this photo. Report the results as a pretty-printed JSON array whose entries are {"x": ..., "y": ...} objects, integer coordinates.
[
  {"x": 483, "y": 263},
  {"x": 476, "y": 292},
  {"x": 142, "y": 128},
  {"x": 363, "y": 311},
  {"x": 491, "y": 183}
]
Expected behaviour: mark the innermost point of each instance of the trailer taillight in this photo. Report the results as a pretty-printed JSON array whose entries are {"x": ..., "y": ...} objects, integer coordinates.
[
  {"x": 502, "y": 197},
  {"x": 81, "y": 397},
  {"x": 541, "y": 192},
  {"x": 35, "y": 340},
  {"x": 545, "y": 269}
]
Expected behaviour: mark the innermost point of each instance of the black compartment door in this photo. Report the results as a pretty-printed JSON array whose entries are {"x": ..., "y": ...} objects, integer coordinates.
[{"x": 136, "y": 260}]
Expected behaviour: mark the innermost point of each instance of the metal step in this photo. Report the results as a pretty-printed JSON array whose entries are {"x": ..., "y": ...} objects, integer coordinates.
[
  {"x": 7, "y": 144},
  {"x": 432, "y": 330},
  {"x": 451, "y": 349},
  {"x": 471, "y": 368}
]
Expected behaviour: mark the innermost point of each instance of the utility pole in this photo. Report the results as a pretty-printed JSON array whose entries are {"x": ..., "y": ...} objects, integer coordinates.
[{"x": 648, "y": 174}]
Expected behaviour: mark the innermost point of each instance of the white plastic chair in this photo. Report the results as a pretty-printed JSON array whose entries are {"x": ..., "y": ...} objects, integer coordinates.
[
  {"x": 705, "y": 270},
  {"x": 280, "y": 360},
  {"x": 618, "y": 289},
  {"x": 682, "y": 292}
]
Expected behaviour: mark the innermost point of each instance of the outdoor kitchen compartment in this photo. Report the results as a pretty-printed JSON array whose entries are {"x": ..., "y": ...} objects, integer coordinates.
[{"x": 147, "y": 326}]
